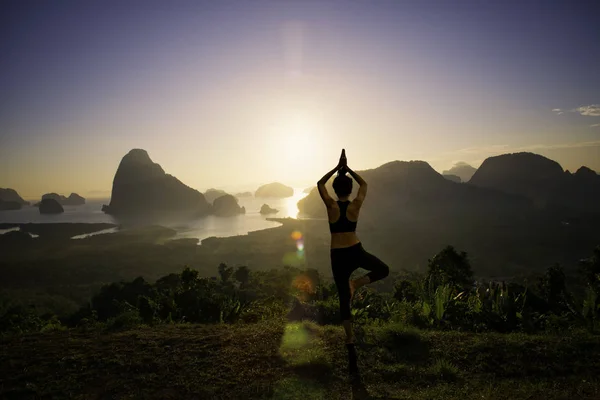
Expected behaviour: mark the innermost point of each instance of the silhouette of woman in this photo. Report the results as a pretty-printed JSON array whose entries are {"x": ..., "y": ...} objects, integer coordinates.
[{"x": 347, "y": 253}]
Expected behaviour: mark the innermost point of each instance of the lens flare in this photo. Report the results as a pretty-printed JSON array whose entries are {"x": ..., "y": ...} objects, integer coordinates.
[
  {"x": 296, "y": 235},
  {"x": 304, "y": 284}
]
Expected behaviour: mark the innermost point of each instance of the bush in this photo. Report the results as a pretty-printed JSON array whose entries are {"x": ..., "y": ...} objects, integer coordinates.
[
  {"x": 19, "y": 319},
  {"x": 125, "y": 320},
  {"x": 444, "y": 370}
]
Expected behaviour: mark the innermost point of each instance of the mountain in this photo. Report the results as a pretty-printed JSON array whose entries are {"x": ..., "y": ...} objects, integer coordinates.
[
  {"x": 413, "y": 190},
  {"x": 411, "y": 211},
  {"x": 10, "y": 195},
  {"x": 211, "y": 194},
  {"x": 142, "y": 187},
  {"x": 244, "y": 194},
  {"x": 275, "y": 189},
  {"x": 461, "y": 169},
  {"x": 542, "y": 180},
  {"x": 73, "y": 200}
]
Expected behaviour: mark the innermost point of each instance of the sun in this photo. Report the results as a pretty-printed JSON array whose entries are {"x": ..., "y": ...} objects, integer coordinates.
[
  {"x": 296, "y": 137},
  {"x": 297, "y": 145}
]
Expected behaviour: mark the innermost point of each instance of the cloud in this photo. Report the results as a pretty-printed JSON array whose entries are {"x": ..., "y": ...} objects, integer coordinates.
[
  {"x": 595, "y": 126},
  {"x": 593, "y": 110}
]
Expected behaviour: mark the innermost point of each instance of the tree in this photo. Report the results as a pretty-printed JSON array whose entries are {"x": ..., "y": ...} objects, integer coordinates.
[
  {"x": 242, "y": 275},
  {"x": 590, "y": 267},
  {"x": 405, "y": 290},
  {"x": 225, "y": 272},
  {"x": 449, "y": 267},
  {"x": 147, "y": 309},
  {"x": 553, "y": 289},
  {"x": 189, "y": 278}
]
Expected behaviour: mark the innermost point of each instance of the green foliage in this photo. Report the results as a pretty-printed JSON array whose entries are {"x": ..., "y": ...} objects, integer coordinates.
[
  {"x": 444, "y": 369},
  {"x": 405, "y": 290},
  {"x": 450, "y": 267},
  {"x": 445, "y": 299},
  {"x": 590, "y": 269},
  {"x": 125, "y": 320},
  {"x": 53, "y": 324},
  {"x": 591, "y": 309},
  {"x": 553, "y": 290},
  {"x": 225, "y": 272},
  {"x": 242, "y": 275},
  {"x": 19, "y": 319}
]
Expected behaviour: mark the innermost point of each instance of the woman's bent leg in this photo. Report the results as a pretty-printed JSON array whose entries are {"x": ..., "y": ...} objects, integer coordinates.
[{"x": 377, "y": 268}]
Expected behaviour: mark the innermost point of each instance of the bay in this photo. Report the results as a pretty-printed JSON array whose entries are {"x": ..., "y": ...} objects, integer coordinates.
[{"x": 200, "y": 228}]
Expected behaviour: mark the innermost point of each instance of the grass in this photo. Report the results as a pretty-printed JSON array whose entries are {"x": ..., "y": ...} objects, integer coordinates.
[{"x": 278, "y": 360}]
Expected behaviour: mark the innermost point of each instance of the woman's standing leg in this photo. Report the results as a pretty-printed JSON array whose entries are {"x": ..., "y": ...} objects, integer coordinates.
[{"x": 342, "y": 267}]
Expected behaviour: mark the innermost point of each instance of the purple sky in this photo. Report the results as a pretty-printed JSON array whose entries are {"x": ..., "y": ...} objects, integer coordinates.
[{"x": 233, "y": 94}]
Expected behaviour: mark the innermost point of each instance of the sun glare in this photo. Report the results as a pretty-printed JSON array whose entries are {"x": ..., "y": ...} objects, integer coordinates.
[
  {"x": 298, "y": 137},
  {"x": 292, "y": 203},
  {"x": 295, "y": 138},
  {"x": 296, "y": 145}
]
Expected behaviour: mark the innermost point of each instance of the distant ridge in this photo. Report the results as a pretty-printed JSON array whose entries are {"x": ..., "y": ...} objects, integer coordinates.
[
  {"x": 414, "y": 190},
  {"x": 461, "y": 169}
]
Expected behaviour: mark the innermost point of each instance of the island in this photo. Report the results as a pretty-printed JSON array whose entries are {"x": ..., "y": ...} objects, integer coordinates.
[
  {"x": 274, "y": 189},
  {"x": 73, "y": 200},
  {"x": 50, "y": 206},
  {"x": 266, "y": 209},
  {"x": 227, "y": 206}
]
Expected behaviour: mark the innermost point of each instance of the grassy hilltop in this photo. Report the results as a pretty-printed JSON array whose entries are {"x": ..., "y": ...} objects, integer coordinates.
[{"x": 296, "y": 361}]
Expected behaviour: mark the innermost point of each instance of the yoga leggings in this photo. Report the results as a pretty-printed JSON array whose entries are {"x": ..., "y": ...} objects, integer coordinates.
[{"x": 344, "y": 262}]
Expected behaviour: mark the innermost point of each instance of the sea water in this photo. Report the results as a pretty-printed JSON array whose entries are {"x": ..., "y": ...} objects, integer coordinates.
[{"x": 200, "y": 228}]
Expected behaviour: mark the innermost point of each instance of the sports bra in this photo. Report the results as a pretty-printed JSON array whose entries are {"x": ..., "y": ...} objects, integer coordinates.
[{"x": 343, "y": 224}]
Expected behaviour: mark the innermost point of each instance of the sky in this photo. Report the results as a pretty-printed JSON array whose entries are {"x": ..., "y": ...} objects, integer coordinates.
[{"x": 233, "y": 94}]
